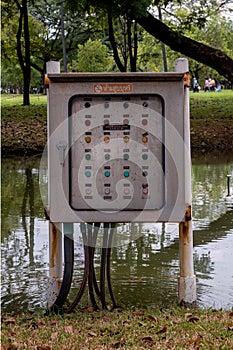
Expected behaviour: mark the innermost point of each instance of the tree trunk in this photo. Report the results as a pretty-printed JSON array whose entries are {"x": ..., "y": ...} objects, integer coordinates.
[
  {"x": 27, "y": 59},
  {"x": 114, "y": 44},
  {"x": 205, "y": 54},
  {"x": 24, "y": 58}
]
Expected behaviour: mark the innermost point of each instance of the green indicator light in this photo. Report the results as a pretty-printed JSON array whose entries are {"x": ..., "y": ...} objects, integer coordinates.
[
  {"x": 126, "y": 173},
  {"x": 126, "y": 156},
  {"x": 107, "y": 173},
  {"x": 88, "y": 156},
  {"x": 144, "y": 156},
  {"x": 107, "y": 156},
  {"x": 87, "y": 173}
]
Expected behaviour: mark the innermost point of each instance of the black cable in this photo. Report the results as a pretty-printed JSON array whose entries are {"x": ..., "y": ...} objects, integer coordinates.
[
  {"x": 68, "y": 273},
  {"x": 95, "y": 234},
  {"x": 91, "y": 266},
  {"x": 86, "y": 269},
  {"x": 108, "y": 272},
  {"x": 103, "y": 266}
]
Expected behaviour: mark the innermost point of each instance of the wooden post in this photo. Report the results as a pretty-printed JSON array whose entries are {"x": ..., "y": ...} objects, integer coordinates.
[{"x": 187, "y": 279}]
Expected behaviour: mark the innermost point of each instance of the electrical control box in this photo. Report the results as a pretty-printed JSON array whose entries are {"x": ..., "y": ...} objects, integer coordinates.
[{"x": 116, "y": 147}]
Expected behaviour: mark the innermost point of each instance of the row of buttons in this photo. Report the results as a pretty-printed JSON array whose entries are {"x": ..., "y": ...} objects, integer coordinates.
[
  {"x": 106, "y": 122},
  {"x": 107, "y": 190},
  {"x": 125, "y": 139},
  {"x": 107, "y": 173},
  {"x": 107, "y": 156},
  {"x": 107, "y": 104}
]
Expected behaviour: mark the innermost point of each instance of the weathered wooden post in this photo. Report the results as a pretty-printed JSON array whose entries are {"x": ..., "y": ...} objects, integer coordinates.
[{"x": 187, "y": 279}]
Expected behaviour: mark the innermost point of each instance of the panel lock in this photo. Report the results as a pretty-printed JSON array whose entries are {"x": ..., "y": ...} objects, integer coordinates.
[{"x": 61, "y": 146}]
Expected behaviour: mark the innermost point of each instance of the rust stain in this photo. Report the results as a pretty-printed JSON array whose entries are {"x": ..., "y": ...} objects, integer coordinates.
[
  {"x": 54, "y": 242},
  {"x": 46, "y": 81},
  {"x": 188, "y": 213},
  {"x": 187, "y": 79}
]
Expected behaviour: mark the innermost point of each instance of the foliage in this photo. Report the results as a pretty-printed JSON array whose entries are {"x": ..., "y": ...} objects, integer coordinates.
[
  {"x": 93, "y": 56},
  {"x": 171, "y": 328}
]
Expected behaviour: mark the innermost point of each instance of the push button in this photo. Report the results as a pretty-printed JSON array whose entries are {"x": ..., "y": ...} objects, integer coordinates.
[
  {"x": 144, "y": 139},
  {"x": 87, "y": 173},
  {"x": 107, "y": 173},
  {"x": 126, "y": 173},
  {"x": 106, "y": 139},
  {"x": 88, "y": 139},
  {"x": 107, "y": 156}
]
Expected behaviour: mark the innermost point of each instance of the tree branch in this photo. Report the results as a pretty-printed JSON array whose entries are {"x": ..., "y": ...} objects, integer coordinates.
[{"x": 202, "y": 53}]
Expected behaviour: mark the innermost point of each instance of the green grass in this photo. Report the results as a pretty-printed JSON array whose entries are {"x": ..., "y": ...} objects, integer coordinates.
[
  {"x": 12, "y": 108},
  {"x": 171, "y": 328},
  {"x": 211, "y": 105},
  {"x": 13, "y": 100}
]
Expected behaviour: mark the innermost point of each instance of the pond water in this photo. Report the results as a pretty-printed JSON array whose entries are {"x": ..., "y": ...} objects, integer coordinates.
[{"x": 144, "y": 268}]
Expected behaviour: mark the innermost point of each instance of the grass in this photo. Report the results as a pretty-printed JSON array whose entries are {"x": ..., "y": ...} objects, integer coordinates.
[
  {"x": 211, "y": 106},
  {"x": 174, "y": 328}
]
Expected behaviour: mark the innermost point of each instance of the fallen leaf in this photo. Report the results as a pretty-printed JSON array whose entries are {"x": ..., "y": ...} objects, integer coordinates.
[
  {"x": 188, "y": 315},
  {"x": 107, "y": 318},
  {"x": 54, "y": 335},
  {"x": 9, "y": 320},
  {"x": 43, "y": 347},
  {"x": 138, "y": 280},
  {"x": 69, "y": 329},
  {"x": 195, "y": 341},
  {"x": 230, "y": 328},
  {"x": 147, "y": 339},
  {"x": 152, "y": 318},
  {"x": 162, "y": 330},
  {"x": 92, "y": 334},
  {"x": 193, "y": 319},
  {"x": 231, "y": 314}
]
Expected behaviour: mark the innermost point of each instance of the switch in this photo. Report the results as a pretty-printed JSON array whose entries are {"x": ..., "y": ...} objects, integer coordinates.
[{"x": 126, "y": 190}]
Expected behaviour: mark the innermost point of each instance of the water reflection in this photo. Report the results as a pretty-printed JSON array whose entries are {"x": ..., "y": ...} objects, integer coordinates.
[{"x": 144, "y": 268}]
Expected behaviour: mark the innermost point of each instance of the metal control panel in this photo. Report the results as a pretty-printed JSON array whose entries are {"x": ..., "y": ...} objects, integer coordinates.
[
  {"x": 116, "y": 147},
  {"x": 117, "y": 162}
]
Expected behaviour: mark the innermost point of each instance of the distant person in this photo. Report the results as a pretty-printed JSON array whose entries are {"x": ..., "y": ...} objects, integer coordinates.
[
  {"x": 212, "y": 84},
  {"x": 195, "y": 85},
  {"x": 219, "y": 88},
  {"x": 207, "y": 85}
]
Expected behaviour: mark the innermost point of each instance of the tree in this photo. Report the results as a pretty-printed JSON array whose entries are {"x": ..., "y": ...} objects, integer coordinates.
[
  {"x": 171, "y": 34},
  {"x": 23, "y": 48},
  {"x": 93, "y": 57}
]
